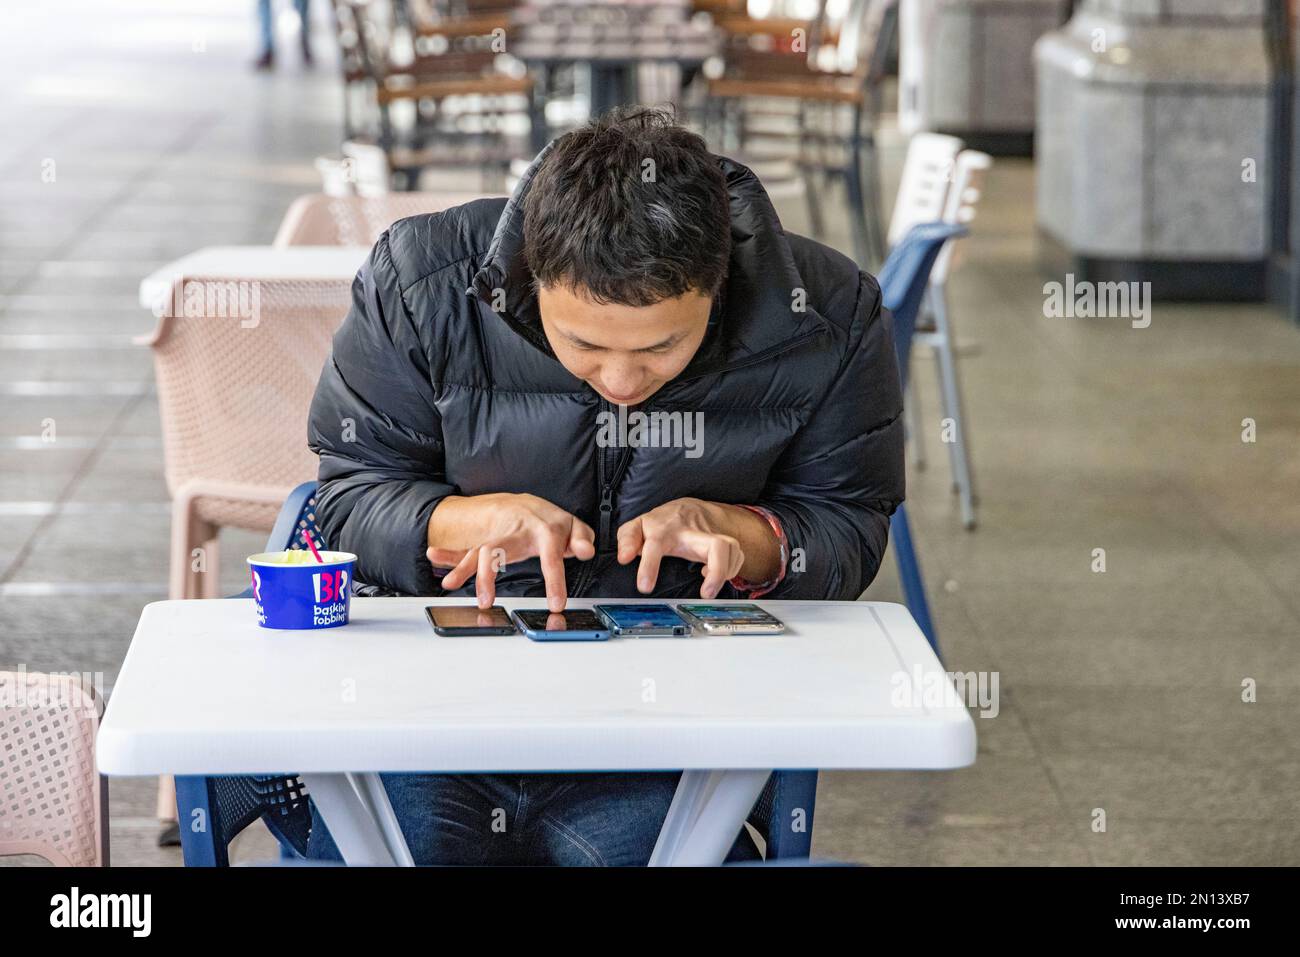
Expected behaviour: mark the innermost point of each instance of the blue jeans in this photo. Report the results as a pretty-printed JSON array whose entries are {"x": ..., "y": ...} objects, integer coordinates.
[
  {"x": 266, "y": 25},
  {"x": 564, "y": 819}
]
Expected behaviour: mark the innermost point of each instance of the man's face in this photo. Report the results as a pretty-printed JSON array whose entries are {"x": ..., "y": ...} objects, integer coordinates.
[{"x": 625, "y": 353}]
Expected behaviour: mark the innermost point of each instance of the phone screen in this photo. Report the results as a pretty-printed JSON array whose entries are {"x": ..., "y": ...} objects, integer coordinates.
[
  {"x": 643, "y": 616},
  {"x": 574, "y": 619},
  {"x": 468, "y": 619},
  {"x": 732, "y": 614}
]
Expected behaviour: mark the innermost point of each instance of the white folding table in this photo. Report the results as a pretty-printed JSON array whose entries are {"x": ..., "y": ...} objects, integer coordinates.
[{"x": 204, "y": 690}]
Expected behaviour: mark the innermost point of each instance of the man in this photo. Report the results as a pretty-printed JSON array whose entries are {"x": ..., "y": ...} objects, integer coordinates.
[
  {"x": 490, "y": 411},
  {"x": 266, "y": 34}
]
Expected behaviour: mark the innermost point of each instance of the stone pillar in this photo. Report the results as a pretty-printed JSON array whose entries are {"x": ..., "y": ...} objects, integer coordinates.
[
  {"x": 1153, "y": 145},
  {"x": 966, "y": 67}
]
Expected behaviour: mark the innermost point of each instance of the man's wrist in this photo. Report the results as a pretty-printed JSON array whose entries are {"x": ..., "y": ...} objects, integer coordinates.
[
  {"x": 759, "y": 540},
  {"x": 442, "y": 520}
]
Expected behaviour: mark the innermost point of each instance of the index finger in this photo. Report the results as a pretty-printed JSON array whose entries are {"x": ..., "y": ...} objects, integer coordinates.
[
  {"x": 485, "y": 582},
  {"x": 723, "y": 553},
  {"x": 550, "y": 553},
  {"x": 647, "y": 573}
]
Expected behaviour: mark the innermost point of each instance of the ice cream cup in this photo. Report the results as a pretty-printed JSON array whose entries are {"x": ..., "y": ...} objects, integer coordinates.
[{"x": 291, "y": 590}]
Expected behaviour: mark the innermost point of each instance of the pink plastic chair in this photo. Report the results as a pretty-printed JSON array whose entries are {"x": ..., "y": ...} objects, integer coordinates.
[
  {"x": 322, "y": 220},
  {"x": 53, "y": 802},
  {"x": 233, "y": 395}
]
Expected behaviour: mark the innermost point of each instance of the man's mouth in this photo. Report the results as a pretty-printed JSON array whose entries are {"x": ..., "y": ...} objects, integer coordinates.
[{"x": 624, "y": 400}]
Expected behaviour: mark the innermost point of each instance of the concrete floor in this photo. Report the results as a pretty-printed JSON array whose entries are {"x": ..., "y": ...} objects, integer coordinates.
[{"x": 1120, "y": 690}]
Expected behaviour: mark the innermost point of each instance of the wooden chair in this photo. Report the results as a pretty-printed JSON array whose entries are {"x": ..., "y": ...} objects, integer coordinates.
[
  {"x": 456, "y": 76},
  {"x": 827, "y": 67}
]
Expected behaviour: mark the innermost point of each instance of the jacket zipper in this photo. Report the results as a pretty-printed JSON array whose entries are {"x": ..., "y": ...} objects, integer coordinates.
[{"x": 608, "y": 483}]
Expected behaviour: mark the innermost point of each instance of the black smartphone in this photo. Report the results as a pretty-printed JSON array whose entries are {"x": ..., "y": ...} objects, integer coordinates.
[{"x": 461, "y": 621}]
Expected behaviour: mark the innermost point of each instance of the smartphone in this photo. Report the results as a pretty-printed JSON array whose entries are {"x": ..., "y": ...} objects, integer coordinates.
[
  {"x": 459, "y": 621},
  {"x": 732, "y": 619},
  {"x": 644, "y": 621},
  {"x": 575, "y": 624}
]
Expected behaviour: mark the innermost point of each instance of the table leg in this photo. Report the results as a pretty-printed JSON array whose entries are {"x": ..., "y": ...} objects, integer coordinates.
[
  {"x": 371, "y": 789},
  {"x": 707, "y": 813},
  {"x": 356, "y": 810}
]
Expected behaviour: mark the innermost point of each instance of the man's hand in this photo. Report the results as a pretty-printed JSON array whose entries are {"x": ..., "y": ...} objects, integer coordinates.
[
  {"x": 728, "y": 539},
  {"x": 474, "y": 536}
]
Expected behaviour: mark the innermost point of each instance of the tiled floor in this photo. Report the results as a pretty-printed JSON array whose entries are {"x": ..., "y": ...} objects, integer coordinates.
[{"x": 1121, "y": 690}]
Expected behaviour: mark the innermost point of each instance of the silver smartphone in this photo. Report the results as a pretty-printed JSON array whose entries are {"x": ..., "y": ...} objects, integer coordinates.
[{"x": 732, "y": 619}]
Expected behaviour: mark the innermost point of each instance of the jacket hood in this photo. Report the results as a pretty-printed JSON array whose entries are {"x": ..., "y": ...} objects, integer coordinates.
[{"x": 758, "y": 310}]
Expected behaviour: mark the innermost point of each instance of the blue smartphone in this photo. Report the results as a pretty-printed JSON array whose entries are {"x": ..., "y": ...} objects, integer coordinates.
[
  {"x": 644, "y": 621},
  {"x": 575, "y": 624}
]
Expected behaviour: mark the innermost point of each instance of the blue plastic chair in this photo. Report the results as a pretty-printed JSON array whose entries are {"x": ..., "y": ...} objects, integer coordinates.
[
  {"x": 903, "y": 281},
  {"x": 212, "y": 810}
]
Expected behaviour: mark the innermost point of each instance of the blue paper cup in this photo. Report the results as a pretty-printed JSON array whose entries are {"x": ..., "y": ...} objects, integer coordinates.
[{"x": 289, "y": 593}]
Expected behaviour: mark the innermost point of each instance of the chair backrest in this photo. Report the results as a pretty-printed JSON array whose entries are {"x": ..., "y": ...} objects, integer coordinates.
[
  {"x": 52, "y": 800},
  {"x": 904, "y": 278},
  {"x": 923, "y": 190},
  {"x": 959, "y": 207},
  {"x": 372, "y": 174},
  {"x": 236, "y": 374},
  {"x": 227, "y": 805},
  {"x": 455, "y": 39},
  {"x": 297, "y": 515},
  {"x": 352, "y": 56},
  {"x": 777, "y": 40},
  {"x": 858, "y": 35},
  {"x": 364, "y": 170},
  {"x": 367, "y": 26},
  {"x": 322, "y": 220}
]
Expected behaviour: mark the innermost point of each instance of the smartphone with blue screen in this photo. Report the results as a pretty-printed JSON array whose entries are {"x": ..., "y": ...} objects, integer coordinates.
[
  {"x": 743, "y": 619},
  {"x": 574, "y": 624},
  {"x": 644, "y": 621}
]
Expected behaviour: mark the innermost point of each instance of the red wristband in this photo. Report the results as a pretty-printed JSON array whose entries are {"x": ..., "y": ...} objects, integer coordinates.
[{"x": 762, "y": 588}]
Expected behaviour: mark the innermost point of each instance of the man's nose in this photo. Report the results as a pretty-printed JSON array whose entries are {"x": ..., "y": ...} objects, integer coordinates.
[{"x": 621, "y": 379}]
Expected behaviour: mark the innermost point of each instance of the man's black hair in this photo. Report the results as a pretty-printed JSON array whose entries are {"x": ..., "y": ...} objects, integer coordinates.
[{"x": 630, "y": 209}]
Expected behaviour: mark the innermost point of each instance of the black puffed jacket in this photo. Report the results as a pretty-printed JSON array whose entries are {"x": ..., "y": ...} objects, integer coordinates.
[{"x": 430, "y": 391}]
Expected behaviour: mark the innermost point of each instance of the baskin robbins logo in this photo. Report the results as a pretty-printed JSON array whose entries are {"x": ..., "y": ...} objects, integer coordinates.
[
  {"x": 331, "y": 606},
  {"x": 292, "y": 590},
  {"x": 257, "y": 598}
]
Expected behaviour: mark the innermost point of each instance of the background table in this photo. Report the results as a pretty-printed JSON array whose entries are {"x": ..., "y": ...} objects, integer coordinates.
[
  {"x": 251, "y": 263},
  {"x": 203, "y": 690},
  {"x": 615, "y": 40}
]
